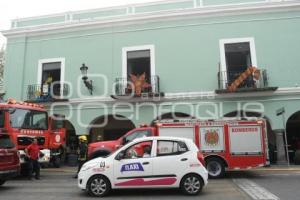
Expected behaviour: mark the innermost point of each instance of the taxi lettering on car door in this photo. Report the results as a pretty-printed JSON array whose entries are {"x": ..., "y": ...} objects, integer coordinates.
[
  {"x": 135, "y": 165},
  {"x": 136, "y": 168}
]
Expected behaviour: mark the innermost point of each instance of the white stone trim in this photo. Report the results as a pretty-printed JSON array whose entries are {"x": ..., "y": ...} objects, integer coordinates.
[
  {"x": 125, "y": 7},
  {"x": 51, "y": 60},
  {"x": 201, "y": 3},
  {"x": 140, "y": 5},
  {"x": 195, "y": 3},
  {"x": 223, "y": 10}
]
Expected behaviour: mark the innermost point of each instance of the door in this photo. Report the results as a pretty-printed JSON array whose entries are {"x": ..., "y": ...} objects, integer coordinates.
[
  {"x": 58, "y": 131},
  {"x": 172, "y": 160},
  {"x": 212, "y": 139},
  {"x": 246, "y": 140},
  {"x": 8, "y": 153},
  {"x": 51, "y": 79},
  {"x": 135, "y": 167}
]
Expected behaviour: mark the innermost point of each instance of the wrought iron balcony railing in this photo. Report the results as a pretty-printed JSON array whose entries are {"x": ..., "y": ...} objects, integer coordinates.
[
  {"x": 138, "y": 88},
  {"x": 47, "y": 93},
  {"x": 237, "y": 81}
]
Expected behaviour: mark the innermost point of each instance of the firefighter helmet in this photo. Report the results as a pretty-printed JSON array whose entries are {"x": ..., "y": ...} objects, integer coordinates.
[{"x": 82, "y": 138}]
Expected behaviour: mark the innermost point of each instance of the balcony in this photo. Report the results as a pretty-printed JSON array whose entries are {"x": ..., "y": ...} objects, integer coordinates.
[
  {"x": 147, "y": 89},
  {"x": 45, "y": 93},
  {"x": 239, "y": 81}
]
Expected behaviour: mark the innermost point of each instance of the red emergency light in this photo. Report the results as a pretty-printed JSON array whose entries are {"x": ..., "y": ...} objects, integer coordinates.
[{"x": 13, "y": 101}]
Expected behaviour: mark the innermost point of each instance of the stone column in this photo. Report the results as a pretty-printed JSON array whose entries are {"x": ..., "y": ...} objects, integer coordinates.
[{"x": 281, "y": 156}]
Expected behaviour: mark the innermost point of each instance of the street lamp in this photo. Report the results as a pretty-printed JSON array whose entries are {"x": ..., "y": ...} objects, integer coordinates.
[{"x": 87, "y": 83}]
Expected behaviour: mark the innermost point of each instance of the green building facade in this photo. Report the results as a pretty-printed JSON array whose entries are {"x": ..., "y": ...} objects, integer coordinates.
[{"x": 161, "y": 60}]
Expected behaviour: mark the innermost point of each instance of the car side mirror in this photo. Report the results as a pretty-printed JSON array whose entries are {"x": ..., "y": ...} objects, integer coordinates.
[
  {"x": 120, "y": 155},
  {"x": 124, "y": 140}
]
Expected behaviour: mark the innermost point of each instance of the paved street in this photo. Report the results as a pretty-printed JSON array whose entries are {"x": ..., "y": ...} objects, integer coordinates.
[{"x": 261, "y": 184}]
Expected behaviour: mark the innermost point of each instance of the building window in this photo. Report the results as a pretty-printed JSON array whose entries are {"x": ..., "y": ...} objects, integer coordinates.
[
  {"x": 138, "y": 60},
  {"x": 139, "y": 63},
  {"x": 51, "y": 70},
  {"x": 51, "y": 77},
  {"x": 236, "y": 56},
  {"x": 139, "y": 69}
]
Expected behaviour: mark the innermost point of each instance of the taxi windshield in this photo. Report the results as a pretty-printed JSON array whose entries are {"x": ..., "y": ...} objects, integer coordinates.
[{"x": 28, "y": 119}]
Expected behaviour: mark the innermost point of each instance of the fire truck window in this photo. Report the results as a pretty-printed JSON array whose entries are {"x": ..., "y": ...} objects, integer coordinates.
[
  {"x": 166, "y": 148},
  {"x": 5, "y": 142},
  {"x": 39, "y": 121},
  {"x": 57, "y": 124},
  {"x": 28, "y": 119},
  {"x": 1, "y": 119},
  {"x": 138, "y": 134}
]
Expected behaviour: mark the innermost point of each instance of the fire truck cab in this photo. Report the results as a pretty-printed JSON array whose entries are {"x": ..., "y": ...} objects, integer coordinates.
[{"x": 25, "y": 121}]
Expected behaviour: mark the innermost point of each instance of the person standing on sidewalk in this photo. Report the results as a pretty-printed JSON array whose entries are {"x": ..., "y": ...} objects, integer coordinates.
[
  {"x": 82, "y": 152},
  {"x": 33, "y": 153}
]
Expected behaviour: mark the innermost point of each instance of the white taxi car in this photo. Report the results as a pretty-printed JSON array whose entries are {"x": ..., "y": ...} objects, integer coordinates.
[{"x": 150, "y": 162}]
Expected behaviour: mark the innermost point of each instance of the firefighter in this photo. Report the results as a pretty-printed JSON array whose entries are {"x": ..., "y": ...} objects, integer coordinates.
[
  {"x": 33, "y": 153},
  {"x": 82, "y": 152}
]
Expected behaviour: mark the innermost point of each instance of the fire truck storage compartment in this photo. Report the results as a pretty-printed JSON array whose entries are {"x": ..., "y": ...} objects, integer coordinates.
[
  {"x": 249, "y": 136},
  {"x": 183, "y": 132},
  {"x": 212, "y": 139}
]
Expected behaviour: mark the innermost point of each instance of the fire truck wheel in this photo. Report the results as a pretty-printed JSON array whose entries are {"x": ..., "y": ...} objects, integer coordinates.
[
  {"x": 191, "y": 184},
  {"x": 2, "y": 182},
  {"x": 98, "y": 186},
  {"x": 215, "y": 168}
]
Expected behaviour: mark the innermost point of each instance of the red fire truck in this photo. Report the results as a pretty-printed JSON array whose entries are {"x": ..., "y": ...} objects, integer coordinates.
[
  {"x": 25, "y": 121},
  {"x": 231, "y": 144}
]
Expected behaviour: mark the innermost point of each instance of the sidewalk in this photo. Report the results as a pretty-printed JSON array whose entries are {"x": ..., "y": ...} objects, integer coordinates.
[
  {"x": 274, "y": 168},
  {"x": 63, "y": 169},
  {"x": 279, "y": 168}
]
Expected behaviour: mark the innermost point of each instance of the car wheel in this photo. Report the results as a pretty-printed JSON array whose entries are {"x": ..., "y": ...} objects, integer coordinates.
[
  {"x": 215, "y": 168},
  {"x": 191, "y": 184},
  {"x": 2, "y": 182},
  {"x": 98, "y": 186}
]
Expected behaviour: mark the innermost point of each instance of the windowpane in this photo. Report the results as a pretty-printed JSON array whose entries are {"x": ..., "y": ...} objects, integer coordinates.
[
  {"x": 238, "y": 59},
  {"x": 171, "y": 148},
  {"x": 238, "y": 56},
  {"x": 28, "y": 119},
  {"x": 1, "y": 118},
  {"x": 139, "y": 150},
  {"x": 51, "y": 74},
  {"x": 138, "y": 63}
]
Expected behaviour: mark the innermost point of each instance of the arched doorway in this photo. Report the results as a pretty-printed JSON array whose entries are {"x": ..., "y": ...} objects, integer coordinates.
[
  {"x": 293, "y": 136},
  {"x": 109, "y": 127},
  {"x": 71, "y": 137},
  {"x": 271, "y": 136}
]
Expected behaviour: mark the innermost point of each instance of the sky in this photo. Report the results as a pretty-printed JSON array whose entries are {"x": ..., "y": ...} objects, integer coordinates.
[{"x": 13, "y": 9}]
